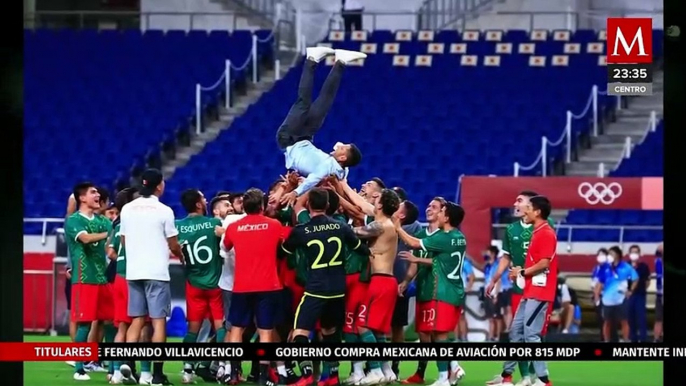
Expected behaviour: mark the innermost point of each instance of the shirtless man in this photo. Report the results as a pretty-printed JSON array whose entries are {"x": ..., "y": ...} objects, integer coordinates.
[{"x": 374, "y": 318}]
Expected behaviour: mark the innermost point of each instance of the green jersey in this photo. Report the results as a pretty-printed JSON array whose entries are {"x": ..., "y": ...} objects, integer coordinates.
[
  {"x": 423, "y": 280},
  {"x": 201, "y": 250},
  {"x": 516, "y": 244},
  {"x": 88, "y": 261},
  {"x": 285, "y": 216},
  {"x": 115, "y": 243},
  {"x": 448, "y": 249}
]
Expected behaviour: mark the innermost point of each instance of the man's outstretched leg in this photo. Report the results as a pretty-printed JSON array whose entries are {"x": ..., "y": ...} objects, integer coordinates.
[
  {"x": 292, "y": 128},
  {"x": 321, "y": 106}
]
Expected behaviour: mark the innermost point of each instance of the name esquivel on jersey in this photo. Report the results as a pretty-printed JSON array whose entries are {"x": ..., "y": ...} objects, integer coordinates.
[{"x": 322, "y": 242}]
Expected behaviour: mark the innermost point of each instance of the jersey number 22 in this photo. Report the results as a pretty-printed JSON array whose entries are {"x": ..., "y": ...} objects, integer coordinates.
[{"x": 334, "y": 261}]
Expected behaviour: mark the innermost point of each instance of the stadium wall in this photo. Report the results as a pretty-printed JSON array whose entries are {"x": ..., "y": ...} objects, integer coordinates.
[{"x": 186, "y": 22}]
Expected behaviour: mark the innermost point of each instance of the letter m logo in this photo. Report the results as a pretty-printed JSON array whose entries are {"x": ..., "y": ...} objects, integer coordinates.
[{"x": 629, "y": 40}]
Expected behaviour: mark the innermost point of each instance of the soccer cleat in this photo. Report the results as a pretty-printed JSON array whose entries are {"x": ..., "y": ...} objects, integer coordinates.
[
  {"x": 116, "y": 379},
  {"x": 81, "y": 376},
  {"x": 160, "y": 380},
  {"x": 497, "y": 380},
  {"x": 330, "y": 381},
  {"x": 441, "y": 382},
  {"x": 540, "y": 383},
  {"x": 145, "y": 379},
  {"x": 456, "y": 375},
  {"x": 415, "y": 379},
  {"x": 71, "y": 363},
  {"x": 373, "y": 378},
  {"x": 306, "y": 381},
  {"x": 526, "y": 381},
  {"x": 316, "y": 54},
  {"x": 389, "y": 377},
  {"x": 291, "y": 380},
  {"x": 354, "y": 379},
  {"x": 345, "y": 56},
  {"x": 187, "y": 378},
  {"x": 94, "y": 367}
]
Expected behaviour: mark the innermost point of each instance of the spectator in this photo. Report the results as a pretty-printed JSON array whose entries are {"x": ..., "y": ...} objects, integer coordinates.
[
  {"x": 638, "y": 315},
  {"x": 462, "y": 329},
  {"x": 602, "y": 259},
  {"x": 659, "y": 311},
  {"x": 490, "y": 303},
  {"x": 565, "y": 301},
  {"x": 613, "y": 290},
  {"x": 351, "y": 11},
  {"x": 575, "y": 327}
]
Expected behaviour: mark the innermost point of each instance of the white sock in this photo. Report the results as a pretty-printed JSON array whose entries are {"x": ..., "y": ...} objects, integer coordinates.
[
  {"x": 442, "y": 375},
  {"x": 281, "y": 369},
  {"x": 454, "y": 365},
  {"x": 146, "y": 373},
  {"x": 386, "y": 367},
  {"x": 117, "y": 373},
  {"x": 358, "y": 368},
  {"x": 378, "y": 371}
]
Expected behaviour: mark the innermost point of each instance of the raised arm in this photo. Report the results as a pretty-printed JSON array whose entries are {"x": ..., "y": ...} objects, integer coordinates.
[
  {"x": 352, "y": 211},
  {"x": 356, "y": 199},
  {"x": 409, "y": 240}
]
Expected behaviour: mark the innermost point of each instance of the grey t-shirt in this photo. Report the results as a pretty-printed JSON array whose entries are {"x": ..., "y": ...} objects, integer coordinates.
[{"x": 400, "y": 266}]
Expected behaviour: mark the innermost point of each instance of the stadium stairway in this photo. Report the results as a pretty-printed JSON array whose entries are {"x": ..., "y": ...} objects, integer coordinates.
[
  {"x": 610, "y": 146},
  {"x": 252, "y": 20},
  {"x": 225, "y": 118}
]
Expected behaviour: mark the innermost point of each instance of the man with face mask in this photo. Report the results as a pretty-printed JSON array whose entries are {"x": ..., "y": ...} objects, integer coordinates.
[
  {"x": 659, "y": 310},
  {"x": 602, "y": 260},
  {"x": 613, "y": 290},
  {"x": 638, "y": 317}
]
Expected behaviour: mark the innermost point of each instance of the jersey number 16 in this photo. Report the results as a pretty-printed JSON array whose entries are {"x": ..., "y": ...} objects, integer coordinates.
[{"x": 194, "y": 254}]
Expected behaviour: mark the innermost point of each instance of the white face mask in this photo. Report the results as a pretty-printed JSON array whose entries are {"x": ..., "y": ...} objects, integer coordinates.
[
  {"x": 634, "y": 256},
  {"x": 601, "y": 258}
]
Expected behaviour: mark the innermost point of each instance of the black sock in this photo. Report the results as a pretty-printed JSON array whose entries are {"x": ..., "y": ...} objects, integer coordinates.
[
  {"x": 504, "y": 374},
  {"x": 264, "y": 372},
  {"x": 290, "y": 366},
  {"x": 543, "y": 379},
  {"x": 255, "y": 369},
  {"x": 366, "y": 367},
  {"x": 396, "y": 366},
  {"x": 157, "y": 368},
  {"x": 421, "y": 368}
]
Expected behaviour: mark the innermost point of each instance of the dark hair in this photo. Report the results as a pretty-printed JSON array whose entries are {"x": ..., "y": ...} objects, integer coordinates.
[
  {"x": 402, "y": 194},
  {"x": 234, "y": 196},
  {"x": 455, "y": 214},
  {"x": 80, "y": 189},
  {"x": 411, "y": 212},
  {"x": 223, "y": 193},
  {"x": 603, "y": 251},
  {"x": 104, "y": 194},
  {"x": 617, "y": 250},
  {"x": 219, "y": 198},
  {"x": 274, "y": 184},
  {"x": 190, "y": 199},
  {"x": 354, "y": 156},
  {"x": 635, "y": 246},
  {"x": 318, "y": 199},
  {"x": 494, "y": 250},
  {"x": 334, "y": 203},
  {"x": 528, "y": 193},
  {"x": 253, "y": 201},
  {"x": 379, "y": 182},
  {"x": 542, "y": 204},
  {"x": 123, "y": 197},
  {"x": 389, "y": 202}
]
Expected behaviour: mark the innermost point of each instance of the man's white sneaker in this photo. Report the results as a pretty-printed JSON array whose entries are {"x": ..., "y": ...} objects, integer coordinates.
[
  {"x": 540, "y": 383},
  {"x": 456, "y": 375},
  {"x": 187, "y": 378},
  {"x": 441, "y": 382},
  {"x": 497, "y": 380},
  {"x": 353, "y": 379},
  {"x": 345, "y": 56},
  {"x": 81, "y": 376},
  {"x": 318, "y": 53},
  {"x": 71, "y": 363},
  {"x": 127, "y": 375},
  {"x": 373, "y": 378},
  {"x": 117, "y": 379},
  {"x": 526, "y": 381},
  {"x": 146, "y": 379}
]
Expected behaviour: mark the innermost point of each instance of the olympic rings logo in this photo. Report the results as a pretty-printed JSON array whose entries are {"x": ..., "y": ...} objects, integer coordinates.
[{"x": 600, "y": 193}]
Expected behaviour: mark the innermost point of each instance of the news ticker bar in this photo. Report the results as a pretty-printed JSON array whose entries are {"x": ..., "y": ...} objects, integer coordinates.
[{"x": 25, "y": 352}]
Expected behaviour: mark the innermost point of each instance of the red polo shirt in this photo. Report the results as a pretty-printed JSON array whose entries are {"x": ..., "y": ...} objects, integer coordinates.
[
  {"x": 543, "y": 245},
  {"x": 255, "y": 240}
]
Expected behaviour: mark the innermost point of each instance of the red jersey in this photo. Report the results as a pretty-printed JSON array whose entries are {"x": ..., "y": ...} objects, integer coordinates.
[
  {"x": 286, "y": 274},
  {"x": 255, "y": 240},
  {"x": 543, "y": 245}
]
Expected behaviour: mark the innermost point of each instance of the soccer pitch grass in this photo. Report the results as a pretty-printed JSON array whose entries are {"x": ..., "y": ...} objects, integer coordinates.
[{"x": 561, "y": 373}]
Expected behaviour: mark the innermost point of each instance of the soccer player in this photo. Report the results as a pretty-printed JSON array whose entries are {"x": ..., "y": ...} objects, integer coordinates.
[
  {"x": 221, "y": 207},
  {"x": 515, "y": 245},
  {"x": 419, "y": 274},
  {"x": 199, "y": 237},
  {"x": 321, "y": 241},
  {"x": 148, "y": 233},
  {"x": 306, "y": 117},
  {"x": 236, "y": 200},
  {"x": 539, "y": 275},
  {"x": 440, "y": 312},
  {"x": 86, "y": 232},
  {"x": 257, "y": 288},
  {"x": 374, "y": 319}
]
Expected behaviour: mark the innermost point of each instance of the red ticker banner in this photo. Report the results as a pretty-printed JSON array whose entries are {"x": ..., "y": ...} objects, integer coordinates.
[{"x": 479, "y": 195}]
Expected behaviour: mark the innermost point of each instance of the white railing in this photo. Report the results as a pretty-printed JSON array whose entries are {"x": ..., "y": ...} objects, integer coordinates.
[
  {"x": 44, "y": 221},
  {"x": 566, "y": 137},
  {"x": 629, "y": 145},
  {"x": 225, "y": 79}
]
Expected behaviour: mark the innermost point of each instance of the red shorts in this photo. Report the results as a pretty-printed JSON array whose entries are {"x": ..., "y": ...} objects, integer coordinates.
[
  {"x": 203, "y": 303},
  {"x": 90, "y": 302},
  {"x": 120, "y": 293},
  {"x": 436, "y": 316},
  {"x": 514, "y": 302},
  {"x": 355, "y": 292},
  {"x": 548, "y": 312},
  {"x": 377, "y": 308}
]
